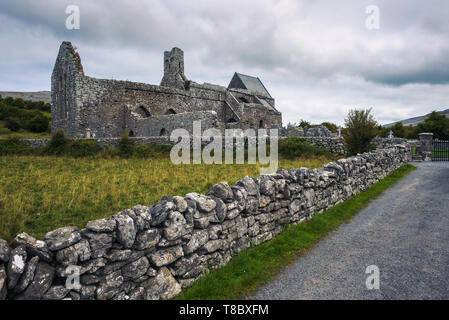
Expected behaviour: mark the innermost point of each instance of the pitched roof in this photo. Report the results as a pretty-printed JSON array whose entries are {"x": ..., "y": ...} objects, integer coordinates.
[{"x": 243, "y": 81}]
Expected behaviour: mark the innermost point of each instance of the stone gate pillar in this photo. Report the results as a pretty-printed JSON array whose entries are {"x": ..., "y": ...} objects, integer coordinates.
[{"x": 425, "y": 149}]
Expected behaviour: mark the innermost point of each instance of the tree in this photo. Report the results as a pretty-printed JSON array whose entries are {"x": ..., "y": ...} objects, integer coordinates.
[
  {"x": 437, "y": 124},
  {"x": 331, "y": 126},
  {"x": 361, "y": 128},
  {"x": 304, "y": 124},
  {"x": 398, "y": 130},
  {"x": 126, "y": 146}
]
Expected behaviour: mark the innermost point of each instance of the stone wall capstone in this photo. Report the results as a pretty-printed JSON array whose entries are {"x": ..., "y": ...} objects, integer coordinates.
[{"x": 154, "y": 252}]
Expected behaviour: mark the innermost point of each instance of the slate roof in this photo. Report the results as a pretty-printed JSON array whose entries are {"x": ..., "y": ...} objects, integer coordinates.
[{"x": 243, "y": 81}]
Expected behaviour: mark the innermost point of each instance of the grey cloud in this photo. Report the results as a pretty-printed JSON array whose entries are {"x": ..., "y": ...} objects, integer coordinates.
[{"x": 300, "y": 49}]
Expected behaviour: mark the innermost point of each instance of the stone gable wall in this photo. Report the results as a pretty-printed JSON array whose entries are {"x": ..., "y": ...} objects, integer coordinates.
[{"x": 153, "y": 252}]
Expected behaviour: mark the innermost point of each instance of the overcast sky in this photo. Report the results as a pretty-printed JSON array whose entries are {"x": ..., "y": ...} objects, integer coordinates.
[{"x": 316, "y": 58}]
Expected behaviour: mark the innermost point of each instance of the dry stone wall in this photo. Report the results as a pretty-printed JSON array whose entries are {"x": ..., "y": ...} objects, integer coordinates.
[
  {"x": 154, "y": 252},
  {"x": 335, "y": 145}
]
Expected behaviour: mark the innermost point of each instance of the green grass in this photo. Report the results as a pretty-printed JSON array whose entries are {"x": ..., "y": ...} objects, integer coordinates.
[
  {"x": 255, "y": 266},
  {"x": 42, "y": 193},
  {"x": 440, "y": 153}
]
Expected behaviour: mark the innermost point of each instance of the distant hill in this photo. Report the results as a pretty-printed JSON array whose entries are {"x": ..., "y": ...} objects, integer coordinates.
[
  {"x": 416, "y": 120},
  {"x": 32, "y": 96}
]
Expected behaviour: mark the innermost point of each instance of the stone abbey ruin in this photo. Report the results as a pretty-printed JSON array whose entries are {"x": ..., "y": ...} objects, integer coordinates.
[{"x": 86, "y": 107}]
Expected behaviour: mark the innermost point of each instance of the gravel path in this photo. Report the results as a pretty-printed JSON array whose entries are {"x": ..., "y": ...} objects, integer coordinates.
[{"x": 405, "y": 232}]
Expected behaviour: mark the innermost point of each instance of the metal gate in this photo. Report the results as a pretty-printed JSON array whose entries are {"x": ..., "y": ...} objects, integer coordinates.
[{"x": 440, "y": 150}]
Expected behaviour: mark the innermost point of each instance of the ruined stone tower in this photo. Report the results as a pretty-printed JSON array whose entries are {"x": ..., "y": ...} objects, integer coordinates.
[
  {"x": 174, "y": 69},
  {"x": 67, "y": 70}
]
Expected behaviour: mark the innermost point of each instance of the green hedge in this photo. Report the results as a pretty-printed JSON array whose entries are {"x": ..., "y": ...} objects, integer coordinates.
[{"x": 294, "y": 147}]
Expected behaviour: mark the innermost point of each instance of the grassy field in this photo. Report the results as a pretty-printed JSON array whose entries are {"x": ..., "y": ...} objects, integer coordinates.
[
  {"x": 39, "y": 194},
  {"x": 255, "y": 266}
]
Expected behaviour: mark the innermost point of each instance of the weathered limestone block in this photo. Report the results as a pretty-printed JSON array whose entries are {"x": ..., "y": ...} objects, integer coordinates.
[
  {"x": 160, "y": 211},
  {"x": 241, "y": 226},
  {"x": 253, "y": 230},
  {"x": 175, "y": 226},
  {"x": 87, "y": 292},
  {"x": 99, "y": 243},
  {"x": 27, "y": 275},
  {"x": 267, "y": 185},
  {"x": 189, "y": 267},
  {"x": 126, "y": 231},
  {"x": 147, "y": 239},
  {"x": 3, "y": 286},
  {"x": 135, "y": 269},
  {"x": 16, "y": 265},
  {"x": 181, "y": 204},
  {"x": 43, "y": 278},
  {"x": 166, "y": 256},
  {"x": 215, "y": 231},
  {"x": 33, "y": 247},
  {"x": 119, "y": 255},
  {"x": 204, "y": 222},
  {"x": 250, "y": 185},
  {"x": 162, "y": 287},
  {"x": 204, "y": 203},
  {"x": 264, "y": 201},
  {"x": 90, "y": 266},
  {"x": 62, "y": 238},
  {"x": 231, "y": 214},
  {"x": 214, "y": 245},
  {"x": 4, "y": 251},
  {"x": 222, "y": 191},
  {"x": 110, "y": 286},
  {"x": 137, "y": 293},
  {"x": 139, "y": 222},
  {"x": 252, "y": 205},
  {"x": 220, "y": 210},
  {"x": 101, "y": 225},
  {"x": 77, "y": 252},
  {"x": 309, "y": 196},
  {"x": 240, "y": 195},
  {"x": 56, "y": 293},
  {"x": 143, "y": 217},
  {"x": 88, "y": 279},
  {"x": 240, "y": 245},
  {"x": 197, "y": 240},
  {"x": 263, "y": 238}
]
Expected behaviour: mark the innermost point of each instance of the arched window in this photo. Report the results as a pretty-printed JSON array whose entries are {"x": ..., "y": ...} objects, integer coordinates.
[
  {"x": 144, "y": 112},
  {"x": 261, "y": 125},
  {"x": 170, "y": 111},
  {"x": 131, "y": 133},
  {"x": 163, "y": 132}
]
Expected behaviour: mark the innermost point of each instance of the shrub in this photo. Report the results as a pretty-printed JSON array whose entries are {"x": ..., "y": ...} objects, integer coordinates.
[
  {"x": 12, "y": 125},
  {"x": 57, "y": 144},
  {"x": 294, "y": 147},
  {"x": 39, "y": 123},
  {"x": 126, "y": 147},
  {"x": 13, "y": 146},
  {"x": 361, "y": 128},
  {"x": 151, "y": 151},
  {"x": 82, "y": 148}
]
